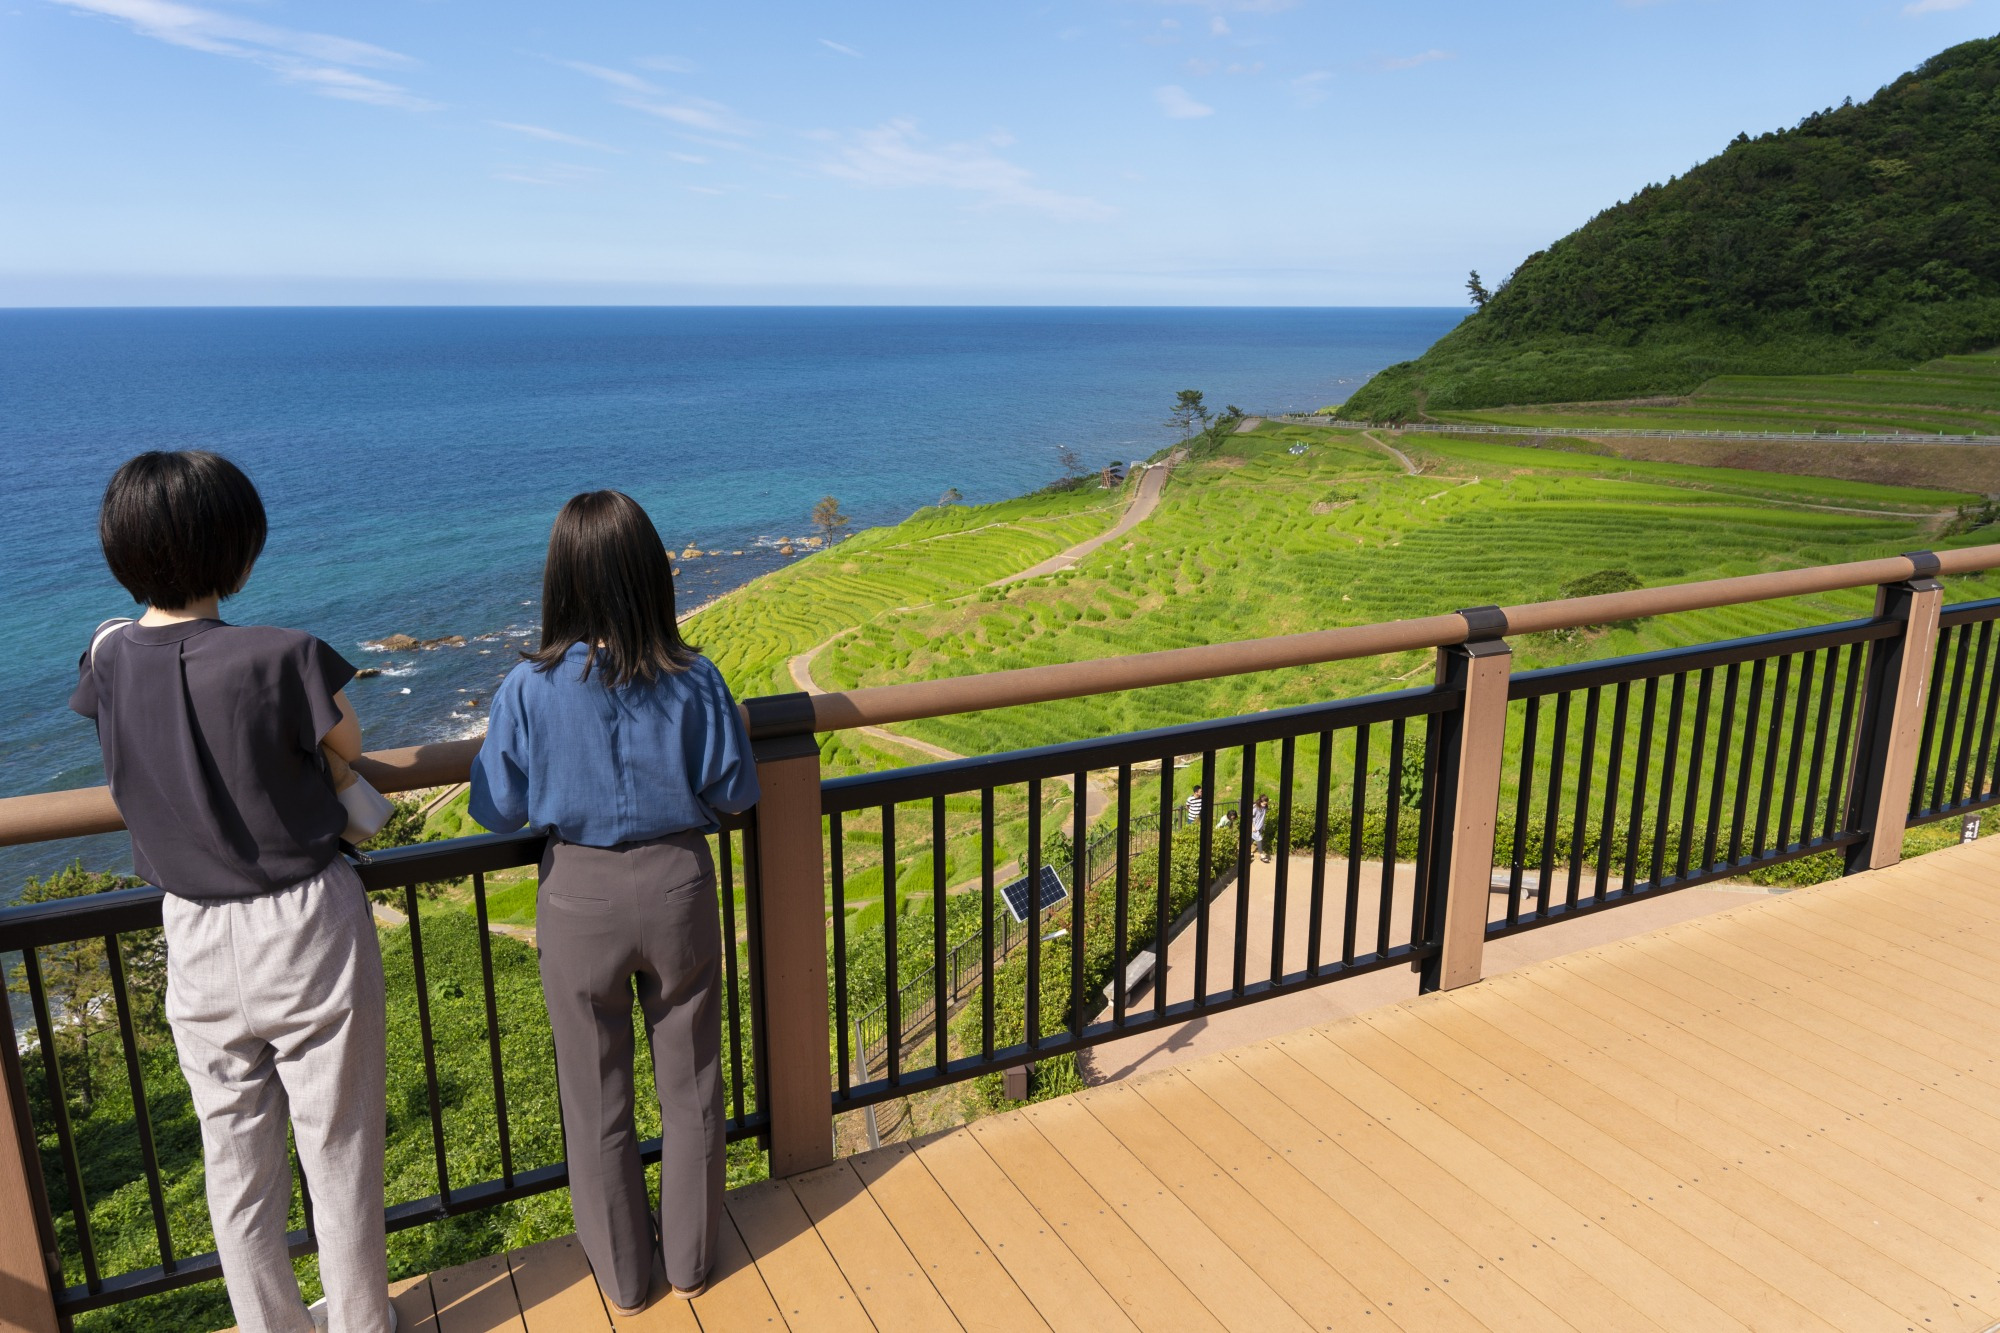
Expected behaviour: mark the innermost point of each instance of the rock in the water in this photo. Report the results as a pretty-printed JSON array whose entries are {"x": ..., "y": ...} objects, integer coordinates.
[
  {"x": 364, "y": 673},
  {"x": 404, "y": 643}
]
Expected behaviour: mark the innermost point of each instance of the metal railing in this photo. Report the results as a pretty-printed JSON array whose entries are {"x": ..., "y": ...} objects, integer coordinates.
[
  {"x": 1584, "y": 786},
  {"x": 1644, "y": 432},
  {"x": 127, "y": 920}
]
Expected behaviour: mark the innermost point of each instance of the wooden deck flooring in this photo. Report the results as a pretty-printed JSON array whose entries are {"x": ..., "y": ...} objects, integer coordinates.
[{"x": 1782, "y": 1116}]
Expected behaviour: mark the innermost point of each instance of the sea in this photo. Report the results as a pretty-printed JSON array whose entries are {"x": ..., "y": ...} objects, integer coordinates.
[{"x": 411, "y": 459}]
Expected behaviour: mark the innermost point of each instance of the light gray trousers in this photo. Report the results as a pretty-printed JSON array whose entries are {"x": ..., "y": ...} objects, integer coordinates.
[
  {"x": 276, "y": 1009},
  {"x": 612, "y": 922}
]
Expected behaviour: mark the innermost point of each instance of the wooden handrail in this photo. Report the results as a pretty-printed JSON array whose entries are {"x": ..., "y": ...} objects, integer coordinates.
[{"x": 47, "y": 816}]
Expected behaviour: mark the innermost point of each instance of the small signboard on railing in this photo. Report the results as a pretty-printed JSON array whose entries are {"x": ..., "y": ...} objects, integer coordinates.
[{"x": 1053, "y": 891}]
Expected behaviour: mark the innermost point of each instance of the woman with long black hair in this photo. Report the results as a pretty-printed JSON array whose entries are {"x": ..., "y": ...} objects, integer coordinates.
[{"x": 623, "y": 742}]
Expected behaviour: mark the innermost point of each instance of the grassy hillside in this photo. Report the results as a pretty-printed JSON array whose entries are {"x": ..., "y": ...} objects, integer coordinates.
[
  {"x": 1865, "y": 237},
  {"x": 1957, "y": 395}
]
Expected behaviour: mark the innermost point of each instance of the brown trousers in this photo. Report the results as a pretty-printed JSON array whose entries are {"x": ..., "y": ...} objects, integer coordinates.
[{"x": 611, "y": 923}]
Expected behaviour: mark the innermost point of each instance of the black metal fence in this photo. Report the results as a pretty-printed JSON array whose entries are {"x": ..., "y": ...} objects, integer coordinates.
[
  {"x": 125, "y": 923},
  {"x": 1957, "y": 769}
]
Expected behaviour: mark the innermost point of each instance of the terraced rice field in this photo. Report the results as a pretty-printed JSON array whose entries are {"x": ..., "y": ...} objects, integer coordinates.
[{"x": 1956, "y": 395}]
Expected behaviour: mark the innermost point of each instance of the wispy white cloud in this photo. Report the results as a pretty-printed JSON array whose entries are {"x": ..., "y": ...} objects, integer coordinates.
[
  {"x": 1218, "y": 26},
  {"x": 666, "y": 64},
  {"x": 1175, "y": 101},
  {"x": 1420, "y": 58},
  {"x": 317, "y": 61},
  {"x": 836, "y": 46},
  {"x": 694, "y": 113},
  {"x": 1238, "y": 6},
  {"x": 547, "y": 135},
  {"x": 548, "y": 173},
  {"x": 1311, "y": 89},
  {"x": 695, "y": 158},
  {"x": 896, "y": 156},
  {"x": 1934, "y": 6}
]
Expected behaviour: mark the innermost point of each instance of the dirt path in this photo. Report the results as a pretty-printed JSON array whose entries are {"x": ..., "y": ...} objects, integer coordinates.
[
  {"x": 1144, "y": 501},
  {"x": 1401, "y": 457}
]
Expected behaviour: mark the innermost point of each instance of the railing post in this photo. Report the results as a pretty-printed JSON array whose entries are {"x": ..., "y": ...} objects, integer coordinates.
[
  {"x": 1466, "y": 793},
  {"x": 1892, "y": 714},
  {"x": 27, "y": 1299},
  {"x": 792, "y": 884}
]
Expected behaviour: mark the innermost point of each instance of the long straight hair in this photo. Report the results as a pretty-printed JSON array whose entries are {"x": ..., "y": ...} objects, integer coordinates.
[{"x": 609, "y": 584}]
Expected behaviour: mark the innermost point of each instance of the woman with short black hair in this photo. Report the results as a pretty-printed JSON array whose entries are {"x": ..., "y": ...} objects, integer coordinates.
[{"x": 622, "y": 740}]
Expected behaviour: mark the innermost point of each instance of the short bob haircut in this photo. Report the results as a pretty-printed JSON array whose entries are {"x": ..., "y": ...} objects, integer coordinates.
[
  {"x": 608, "y": 584},
  {"x": 179, "y": 526}
]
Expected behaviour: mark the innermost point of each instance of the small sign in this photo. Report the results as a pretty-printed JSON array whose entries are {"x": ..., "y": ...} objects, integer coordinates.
[
  {"x": 1052, "y": 892},
  {"x": 1970, "y": 830}
]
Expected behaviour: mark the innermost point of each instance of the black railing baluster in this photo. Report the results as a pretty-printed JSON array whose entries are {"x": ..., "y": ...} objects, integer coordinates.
[
  {"x": 1421, "y": 924},
  {"x": 1580, "y": 826},
  {"x": 1523, "y": 805},
  {"x": 1940, "y": 798},
  {"x": 1836, "y": 811},
  {"x": 1670, "y": 758},
  {"x": 753, "y": 926},
  {"x": 1697, "y": 747},
  {"x": 1613, "y": 768},
  {"x": 1280, "y": 841},
  {"x": 1204, "y": 877},
  {"x": 892, "y": 972},
  {"x": 1725, "y": 736},
  {"x": 493, "y": 1027},
  {"x": 1032, "y": 1010},
  {"x": 1322, "y": 797},
  {"x": 1933, "y": 703},
  {"x": 940, "y": 1000},
  {"x": 1246, "y": 799},
  {"x": 142, "y": 1117},
  {"x": 1767, "y": 781},
  {"x": 1754, "y": 711},
  {"x": 1985, "y": 752},
  {"x": 38, "y": 1004},
  {"x": 305, "y": 1191},
  {"x": 1552, "y": 805},
  {"x": 1809, "y": 815},
  {"x": 733, "y": 1013},
  {"x": 1122, "y": 946},
  {"x": 1797, "y": 749},
  {"x": 1958, "y": 789},
  {"x": 1357, "y": 848},
  {"x": 1079, "y": 823},
  {"x": 836, "y": 840},
  {"x": 1163, "y": 885},
  {"x": 1392, "y": 835},
  {"x": 430, "y": 1044},
  {"x": 990, "y": 916},
  {"x": 1635, "y": 826}
]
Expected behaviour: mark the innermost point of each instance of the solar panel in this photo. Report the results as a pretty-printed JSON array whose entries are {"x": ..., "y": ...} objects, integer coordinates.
[{"x": 1052, "y": 892}]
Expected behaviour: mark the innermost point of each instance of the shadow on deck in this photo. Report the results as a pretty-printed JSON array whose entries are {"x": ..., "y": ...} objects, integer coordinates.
[{"x": 1782, "y": 1116}]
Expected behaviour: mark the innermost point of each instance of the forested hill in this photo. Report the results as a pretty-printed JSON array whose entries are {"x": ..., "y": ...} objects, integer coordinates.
[{"x": 1866, "y": 236}]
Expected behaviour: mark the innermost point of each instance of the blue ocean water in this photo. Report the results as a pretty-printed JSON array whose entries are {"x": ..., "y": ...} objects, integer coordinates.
[{"x": 411, "y": 459}]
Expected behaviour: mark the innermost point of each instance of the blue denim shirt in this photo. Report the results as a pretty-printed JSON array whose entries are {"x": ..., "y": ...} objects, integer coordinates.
[{"x": 602, "y": 766}]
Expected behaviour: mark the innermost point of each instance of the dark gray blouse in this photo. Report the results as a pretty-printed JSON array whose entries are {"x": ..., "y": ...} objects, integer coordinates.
[{"x": 211, "y": 736}]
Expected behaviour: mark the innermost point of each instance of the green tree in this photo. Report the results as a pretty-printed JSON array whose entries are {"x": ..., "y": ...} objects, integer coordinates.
[
  {"x": 1189, "y": 412},
  {"x": 1070, "y": 461},
  {"x": 1477, "y": 290},
  {"x": 950, "y": 497},
  {"x": 826, "y": 516}
]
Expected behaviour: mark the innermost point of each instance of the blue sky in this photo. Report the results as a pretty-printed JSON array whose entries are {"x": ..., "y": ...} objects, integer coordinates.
[{"x": 1260, "y": 152}]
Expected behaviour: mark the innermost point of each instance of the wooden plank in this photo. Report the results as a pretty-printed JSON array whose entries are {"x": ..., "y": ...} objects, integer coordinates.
[
  {"x": 1626, "y": 1238},
  {"x": 1866, "y": 1005},
  {"x": 1653, "y": 1085},
  {"x": 1233, "y": 1292},
  {"x": 1487, "y": 1291},
  {"x": 556, "y": 1288},
  {"x": 802, "y": 1277},
  {"x": 1812, "y": 1215},
  {"x": 1925, "y": 1111},
  {"x": 1882, "y": 950},
  {"x": 736, "y": 1297},
  {"x": 1754, "y": 1237},
  {"x": 411, "y": 1299},
  {"x": 477, "y": 1298},
  {"x": 891, "y": 1284},
  {"x": 1479, "y": 1223},
  {"x": 972, "y": 1282},
  {"x": 1380, "y": 1274},
  {"x": 1028, "y": 1245},
  {"x": 1881, "y": 1033},
  {"x": 1820, "y": 955},
  {"x": 1306, "y": 1281},
  {"x": 1801, "y": 1122},
  {"x": 1151, "y": 1294}
]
